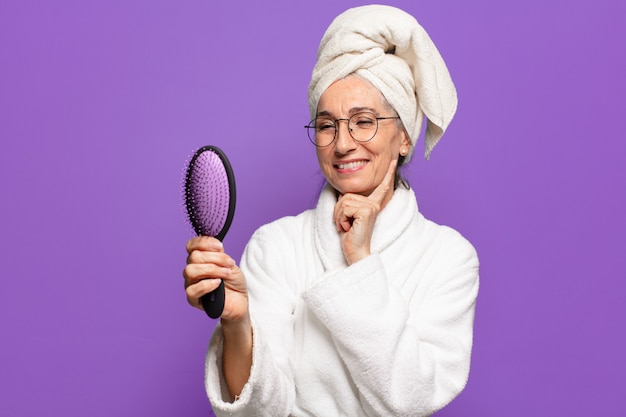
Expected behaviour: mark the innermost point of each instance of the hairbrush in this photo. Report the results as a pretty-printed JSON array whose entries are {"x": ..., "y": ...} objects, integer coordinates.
[{"x": 209, "y": 194}]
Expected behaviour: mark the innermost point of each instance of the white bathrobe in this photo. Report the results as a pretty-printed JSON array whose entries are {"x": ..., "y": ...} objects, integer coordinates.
[{"x": 390, "y": 335}]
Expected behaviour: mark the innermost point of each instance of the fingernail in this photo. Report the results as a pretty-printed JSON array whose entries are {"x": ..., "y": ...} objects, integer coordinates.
[
  {"x": 217, "y": 245},
  {"x": 226, "y": 271},
  {"x": 230, "y": 262}
]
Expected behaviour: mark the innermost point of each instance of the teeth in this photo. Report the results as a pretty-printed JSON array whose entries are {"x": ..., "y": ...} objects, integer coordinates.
[{"x": 351, "y": 165}]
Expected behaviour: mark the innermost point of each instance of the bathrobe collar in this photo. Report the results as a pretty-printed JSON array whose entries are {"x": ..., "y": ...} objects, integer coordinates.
[{"x": 392, "y": 221}]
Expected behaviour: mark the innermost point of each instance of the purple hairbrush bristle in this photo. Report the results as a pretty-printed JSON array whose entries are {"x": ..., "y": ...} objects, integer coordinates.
[{"x": 209, "y": 192}]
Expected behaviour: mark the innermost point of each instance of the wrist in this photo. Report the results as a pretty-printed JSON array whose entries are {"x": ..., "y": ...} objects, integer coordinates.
[
  {"x": 356, "y": 257},
  {"x": 238, "y": 327}
]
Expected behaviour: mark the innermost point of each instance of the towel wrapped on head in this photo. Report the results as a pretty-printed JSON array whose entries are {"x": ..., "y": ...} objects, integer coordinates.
[{"x": 388, "y": 47}]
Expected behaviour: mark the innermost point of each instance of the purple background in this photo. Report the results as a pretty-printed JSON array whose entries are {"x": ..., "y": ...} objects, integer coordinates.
[{"x": 101, "y": 103}]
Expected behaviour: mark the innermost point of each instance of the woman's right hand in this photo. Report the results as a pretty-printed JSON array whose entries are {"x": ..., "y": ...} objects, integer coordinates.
[{"x": 207, "y": 264}]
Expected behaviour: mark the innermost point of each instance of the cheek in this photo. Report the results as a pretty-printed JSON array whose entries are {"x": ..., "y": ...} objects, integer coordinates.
[
  {"x": 324, "y": 163},
  {"x": 323, "y": 156},
  {"x": 386, "y": 152},
  {"x": 393, "y": 150}
]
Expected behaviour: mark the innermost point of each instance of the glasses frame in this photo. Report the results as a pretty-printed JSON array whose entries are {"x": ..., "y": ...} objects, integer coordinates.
[{"x": 311, "y": 127}]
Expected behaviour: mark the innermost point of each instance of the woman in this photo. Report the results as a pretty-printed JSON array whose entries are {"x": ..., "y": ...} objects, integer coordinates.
[{"x": 361, "y": 306}]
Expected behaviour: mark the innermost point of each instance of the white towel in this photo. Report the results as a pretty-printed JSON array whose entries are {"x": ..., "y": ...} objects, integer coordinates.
[{"x": 389, "y": 48}]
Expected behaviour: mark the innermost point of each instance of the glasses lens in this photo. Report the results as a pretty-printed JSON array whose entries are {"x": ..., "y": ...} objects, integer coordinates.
[
  {"x": 324, "y": 131},
  {"x": 363, "y": 126}
]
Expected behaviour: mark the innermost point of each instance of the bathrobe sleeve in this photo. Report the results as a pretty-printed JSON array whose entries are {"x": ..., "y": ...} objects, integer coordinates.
[
  {"x": 408, "y": 356},
  {"x": 270, "y": 390}
]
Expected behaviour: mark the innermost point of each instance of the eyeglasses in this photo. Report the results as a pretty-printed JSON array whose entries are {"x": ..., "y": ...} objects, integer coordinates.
[{"x": 322, "y": 131}]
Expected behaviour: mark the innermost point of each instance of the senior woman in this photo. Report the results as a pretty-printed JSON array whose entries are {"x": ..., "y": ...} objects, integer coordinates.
[{"x": 360, "y": 306}]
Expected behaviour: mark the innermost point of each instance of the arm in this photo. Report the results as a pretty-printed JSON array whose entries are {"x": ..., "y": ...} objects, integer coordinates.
[
  {"x": 407, "y": 348},
  {"x": 267, "y": 387},
  {"x": 237, "y": 355},
  {"x": 206, "y": 265},
  {"x": 401, "y": 319}
]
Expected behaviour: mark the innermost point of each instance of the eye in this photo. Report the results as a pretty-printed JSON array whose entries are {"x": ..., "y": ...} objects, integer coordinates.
[
  {"x": 324, "y": 125},
  {"x": 364, "y": 121}
]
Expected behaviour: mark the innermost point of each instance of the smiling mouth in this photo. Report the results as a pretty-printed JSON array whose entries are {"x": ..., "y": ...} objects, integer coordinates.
[{"x": 350, "y": 165}]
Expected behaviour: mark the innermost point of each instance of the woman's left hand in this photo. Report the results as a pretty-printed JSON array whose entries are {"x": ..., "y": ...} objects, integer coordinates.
[{"x": 355, "y": 216}]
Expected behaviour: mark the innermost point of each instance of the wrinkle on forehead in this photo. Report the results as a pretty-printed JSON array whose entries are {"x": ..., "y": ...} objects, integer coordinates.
[{"x": 361, "y": 95}]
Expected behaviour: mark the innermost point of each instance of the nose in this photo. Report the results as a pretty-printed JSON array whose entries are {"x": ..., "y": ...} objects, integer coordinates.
[{"x": 344, "y": 143}]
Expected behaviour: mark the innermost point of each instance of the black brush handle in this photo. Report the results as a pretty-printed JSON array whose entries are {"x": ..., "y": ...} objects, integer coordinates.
[{"x": 213, "y": 302}]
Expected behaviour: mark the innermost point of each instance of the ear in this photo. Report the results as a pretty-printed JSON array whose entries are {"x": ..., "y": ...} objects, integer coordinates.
[{"x": 405, "y": 144}]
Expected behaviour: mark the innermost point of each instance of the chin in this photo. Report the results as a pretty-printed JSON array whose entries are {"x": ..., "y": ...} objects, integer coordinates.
[{"x": 353, "y": 189}]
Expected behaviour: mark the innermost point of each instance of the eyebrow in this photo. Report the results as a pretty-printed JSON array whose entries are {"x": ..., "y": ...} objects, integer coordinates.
[{"x": 352, "y": 111}]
